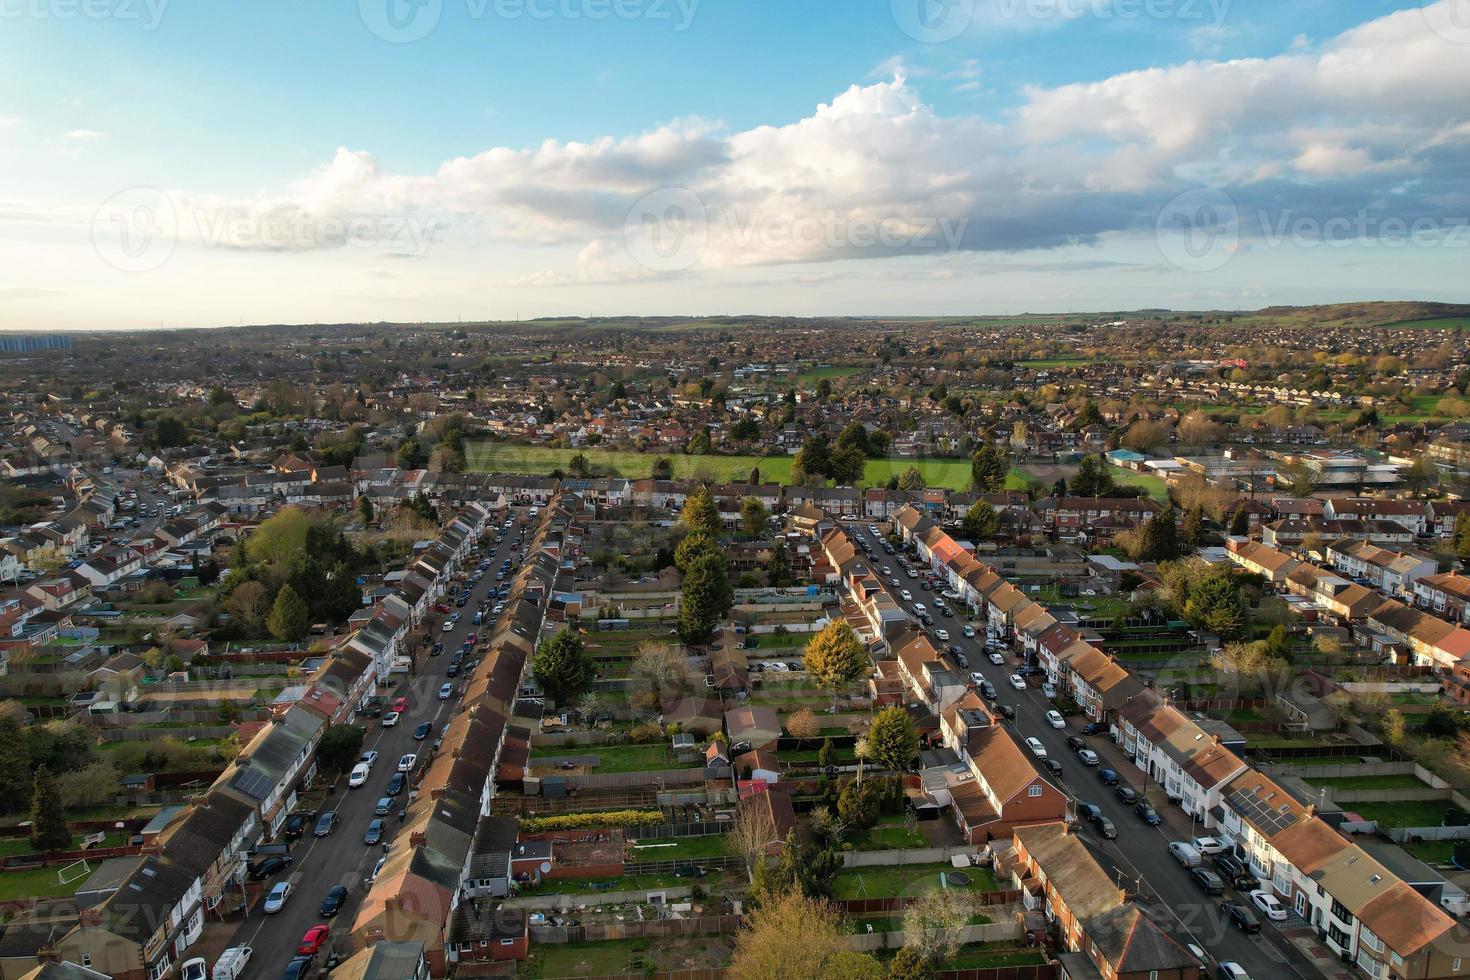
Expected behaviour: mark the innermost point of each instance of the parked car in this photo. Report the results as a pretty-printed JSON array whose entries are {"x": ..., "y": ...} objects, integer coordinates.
[
  {"x": 1054, "y": 719},
  {"x": 297, "y": 969},
  {"x": 1094, "y": 728},
  {"x": 1037, "y": 749},
  {"x": 1268, "y": 905},
  {"x": 390, "y": 719},
  {"x": 942, "y": 635},
  {"x": 1185, "y": 854},
  {"x": 1147, "y": 813},
  {"x": 1127, "y": 794},
  {"x": 1048, "y": 690},
  {"x": 326, "y": 823},
  {"x": 407, "y": 762},
  {"x": 1088, "y": 757},
  {"x": 359, "y": 775},
  {"x": 1108, "y": 776},
  {"x": 1106, "y": 828},
  {"x": 1053, "y": 766},
  {"x": 384, "y": 807},
  {"x": 1207, "y": 880},
  {"x": 987, "y": 690},
  {"x": 195, "y": 969},
  {"x": 996, "y": 657},
  {"x": 1241, "y": 917},
  {"x": 266, "y": 867},
  {"x": 1209, "y": 846},
  {"x": 276, "y": 899},
  {"x": 1235, "y": 871},
  {"x": 1231, "y": 970},
  {"x": 334, "y": 901},
  {"x": 1076, "y": 743},
  {"x": 422, "y": 732},
  {"x": 296, "y": 825},
  {"x": 374, "y": 833},
  {"x": 315, "y": 938},
  {"x": 370, "y": 758},
  {"x": 1018, "y": 682},
  {"x": 400, "y": 704},
  {"x": 968, "y": 631},
  {"x": 1008, "y": 710},
  {"x": 446, "y": 691},
  {"x": 396, "y": 783}
]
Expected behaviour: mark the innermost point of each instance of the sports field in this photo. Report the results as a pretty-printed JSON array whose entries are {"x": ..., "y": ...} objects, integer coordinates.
[{"x": 493, "y": 457}]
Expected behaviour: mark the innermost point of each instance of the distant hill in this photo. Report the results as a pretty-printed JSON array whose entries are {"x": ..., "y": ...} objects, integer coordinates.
[{"x": 1381, "y": 314}]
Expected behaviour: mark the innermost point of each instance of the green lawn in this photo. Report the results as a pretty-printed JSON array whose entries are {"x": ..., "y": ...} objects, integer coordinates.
[
  {"x": 1426, "y": 813},
  {"x": 548, "y": 960},
  {"x": 618, "y": 758},
  {"x": 1055, "y": 362},
  {"x": 625, "y": 883},
  {"x": 914, "y": 879},
  {"x": 889, "y": 837},
  {"x": 984, "y": 955},
  {"x": 829, "y": 371},
  {"x": 1432, "y": 851},
  {"x": 1444, "y": 323},
  {"x": 712, "y": 845},
  {"x": 17, "y": 886},
  {"x": 494, "y": 457},
  {"x": 1404, "y": 781},
  {"x": 1156, "y": 487}
]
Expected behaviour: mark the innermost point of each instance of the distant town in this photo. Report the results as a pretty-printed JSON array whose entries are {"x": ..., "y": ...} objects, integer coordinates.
[{"x": 1119, "y": 646}]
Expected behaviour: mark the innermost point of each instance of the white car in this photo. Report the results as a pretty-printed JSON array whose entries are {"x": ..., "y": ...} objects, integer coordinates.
[
  {"x": 390, "y": 719},
  {"x": 976, "y": 678},
  {"x": 907, "y": 595},
  {"x": 195, "y": 969},
  {"x": 969, "y": 632},
  {"x": 942, "y": 635},
  {"x": 446, "y": 691},
  {"x": 1233, "y": 970},
  {"x": 1208, "y": 845},
  {"x": 276, "y": 900},
  {"x": 407, "y": 763},
  {"x": 359, "y": 775},
  {"x": 919, "y": 607},
  {"x": 1037, "y": 749},
  {"x": 996, "y": 658},
  {"x": 1088, "y": 757},
  {"x": 1018, "y": 682},
  {"x": 1269, "y": 906},
  {"x": 1048, "y": 690},
  {"x": 1054, "y": 719},
  {"x": 448, "y": 626}
]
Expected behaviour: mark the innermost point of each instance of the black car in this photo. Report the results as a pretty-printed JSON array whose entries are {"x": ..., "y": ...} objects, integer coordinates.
[
  {"x": 297, "y": 969},
  {"x": 1106, "y": 828},
  {"x": 988, "y": 690},
  {"x": 422, "y": 732},
  {"x": 1126, "y": 793},
  {"x": 296, "y": 825},
  {"x": 374, "y": 833},
  {"x": 1242, "y": 917},
  {"x": 266, "y": 867},
  {"x": 1008, "y": 710},
  {"x": 1089, "y": 811},
  {"x": 452, "y": 671},
  {"x": 334, "y": 901},
  {"x": 396, "y": 783},
  {"x": 1147, "y": 813},
  {"x": 1234, "y": 870},
  {"x": 1208, "y": 881},
  {"x": 1053, "y": 766},
  {"x": 1094, "y": 728},
  {"x": 1076, "y": 743},
  {"x": 962, "y": 660}
]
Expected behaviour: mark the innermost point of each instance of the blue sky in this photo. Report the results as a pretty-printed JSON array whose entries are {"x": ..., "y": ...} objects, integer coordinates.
[{"x": 523, "y": 156}]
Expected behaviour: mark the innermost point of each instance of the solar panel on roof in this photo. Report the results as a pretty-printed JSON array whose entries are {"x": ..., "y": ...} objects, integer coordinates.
[
  {"x": 1260, "y": 813},
  {"x": 253, "y": 783}
]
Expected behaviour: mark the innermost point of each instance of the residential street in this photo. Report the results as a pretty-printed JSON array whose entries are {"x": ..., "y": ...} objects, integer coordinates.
[{"x": 318, "y": 863}]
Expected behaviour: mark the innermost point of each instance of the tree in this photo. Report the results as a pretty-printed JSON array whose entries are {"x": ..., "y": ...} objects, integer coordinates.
[
  {"x": 48, "y": 823},
  {"x": 563, "y": 666},
  {"x": 827, "y": 754},
  {"x": 803, "y": 724},
  {"x": 15, "y": 764},
  {"x": 754, "y": 517},
  {"x": 989, "y": 467},
  {"x": 1093, "y": 478},
  {"x": 290, "y": 619},
  {"x": 911, "y": 480},
  {"x": 1298, "y": 478},
  {"x": 931, "y": 923},
  {"x": 1193, "y": 530},
  {"x": 855, "y": 436},
  {"x": 1393, "y": 726},
  {"x": 1198, "y": 429},
  {"x": 1422, "y": 476},
  {"x": 778, "y": 571},
  {"x": 794, "y": 936},
  {"x": 662, "y": 469},
  {"x": 835, "y": 657},
  {"x": 692, "y": 548},
  {"x": 410, "y": 455},
  {"x": 892, "y": 739},
  {"x": 92, "y": 785},
  {"x": 340, "y": 748},
  {"x": 1159, "y": 536},
  {"x": 981, "y": 521},
  {"x": 1278, "y": 643},
  {"x": 365, "y": 510},
  {"x": 813, "y": 461},
  {"x": 847, "y": 465},
  {"x": 661, "y": 668},
  {"x": 704, "y": 598},
  {"x": 746, "y": 430},
  {"x": 1462, "y": 536},
  {"x": 751, "y": 834},
  {"x": 858, "y": 804},
  {"x": 1217, "y": 604},
  {"x": 1240, "y": 523},
  {"x": 909, "y": 964},
  {"x": 700, "y": 513},
  {"x": 1143, "y": 435},
  {"x": 169, "y": 432}
]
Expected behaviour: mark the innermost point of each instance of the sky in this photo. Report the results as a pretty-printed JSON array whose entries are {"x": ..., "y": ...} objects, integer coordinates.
[{"x": 189, "y": 164}]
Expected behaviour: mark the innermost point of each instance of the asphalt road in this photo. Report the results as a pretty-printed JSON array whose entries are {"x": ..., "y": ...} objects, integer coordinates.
[
  {"x": 1173, "y": 899},
  {"x": 318, "y": 863}
]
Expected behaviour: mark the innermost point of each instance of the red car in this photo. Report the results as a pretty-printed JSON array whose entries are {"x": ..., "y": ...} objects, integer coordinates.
[
  {"x": 400, "y": 704},
  {"x": 472, "y": 638},
  {"x": 313, "y": 941},
  {"x": 441, "y": 608}
]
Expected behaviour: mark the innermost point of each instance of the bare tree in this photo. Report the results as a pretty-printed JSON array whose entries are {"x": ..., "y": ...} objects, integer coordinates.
[
  {"x": 931, "y": 922},
  {"x": 752, "y": 834}
]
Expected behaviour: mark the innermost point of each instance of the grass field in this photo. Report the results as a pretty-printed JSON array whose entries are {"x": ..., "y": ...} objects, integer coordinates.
[
  {"x": 1444, "y": 323},
  {"x": 1427, "y": 813},
  {"x": 1055, "y": 362},
  {"x": 18, "y": 886},
  {"x": 1403, "y": 781},
  {"x": 829, "y": 371},
  {"x": 490, "y": 457},
  {"x": 914, "y": 879}
]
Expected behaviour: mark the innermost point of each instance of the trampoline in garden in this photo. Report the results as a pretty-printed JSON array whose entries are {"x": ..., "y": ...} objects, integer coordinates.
[{"x": 957, "y": 878}]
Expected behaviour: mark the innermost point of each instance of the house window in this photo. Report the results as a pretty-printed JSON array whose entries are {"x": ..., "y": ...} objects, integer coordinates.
[
  {"x": 507, "y": 942},
  {"x": 1455, "y": 965},
  {"x": 86, "y": 959},
  {"x": 1034, "y": 791},
  {"x": 1367, "y": 938}
]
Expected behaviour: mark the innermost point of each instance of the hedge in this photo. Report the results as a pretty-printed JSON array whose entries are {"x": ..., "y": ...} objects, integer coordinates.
[{"x": 591, "y": 821}]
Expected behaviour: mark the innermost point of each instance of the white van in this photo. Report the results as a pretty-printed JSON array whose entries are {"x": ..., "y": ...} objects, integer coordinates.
[
  {"x": 1185, "y": 854},
  {"x": 231, "y": 963}
]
